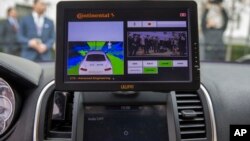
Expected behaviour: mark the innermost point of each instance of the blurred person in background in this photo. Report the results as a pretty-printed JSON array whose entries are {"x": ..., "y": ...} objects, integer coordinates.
[
  {"x": 8, "y": 33},
  {"x": 36, "y": 34},
  {"x": 214, "y": 23}
]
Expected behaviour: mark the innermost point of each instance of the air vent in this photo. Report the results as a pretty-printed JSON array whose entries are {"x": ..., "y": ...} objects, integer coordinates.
[
  {"x": 59, "y": 122},
  {"x": 191, "y": 117}
]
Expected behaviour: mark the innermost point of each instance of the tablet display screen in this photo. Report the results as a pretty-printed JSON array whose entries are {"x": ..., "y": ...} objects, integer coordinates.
[{"x": 128, "y": 45}]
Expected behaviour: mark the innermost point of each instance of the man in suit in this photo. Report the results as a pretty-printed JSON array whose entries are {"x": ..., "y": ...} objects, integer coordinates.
[
  {"x": 36, "y": 34},
  {"x": 8, "y": 33}
]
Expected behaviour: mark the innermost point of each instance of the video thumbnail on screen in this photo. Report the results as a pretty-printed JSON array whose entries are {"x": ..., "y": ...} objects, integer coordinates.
[
  {"x": 157, "y": 43},
  {"x": 95, "y": 48}
]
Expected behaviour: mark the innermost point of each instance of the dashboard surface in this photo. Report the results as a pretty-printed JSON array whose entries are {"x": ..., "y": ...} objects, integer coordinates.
[{"x": 226, "y": 83}]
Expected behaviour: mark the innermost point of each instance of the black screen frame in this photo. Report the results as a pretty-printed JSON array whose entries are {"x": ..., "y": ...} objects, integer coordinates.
[{"x": 61, "y": 84}]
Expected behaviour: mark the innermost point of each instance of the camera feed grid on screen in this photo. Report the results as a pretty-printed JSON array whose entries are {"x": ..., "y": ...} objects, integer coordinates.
[
  {"x": 96, "y": 48},
  {"x": 157, "y": 44}
]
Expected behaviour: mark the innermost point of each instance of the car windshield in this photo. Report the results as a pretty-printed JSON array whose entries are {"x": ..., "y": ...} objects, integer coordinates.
[
  {"x": 224, "y": 30},
  {"x": 95, "y": 57}
]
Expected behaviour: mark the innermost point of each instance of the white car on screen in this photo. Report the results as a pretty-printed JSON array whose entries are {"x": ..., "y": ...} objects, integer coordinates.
[{"x": 95, "y": 63}]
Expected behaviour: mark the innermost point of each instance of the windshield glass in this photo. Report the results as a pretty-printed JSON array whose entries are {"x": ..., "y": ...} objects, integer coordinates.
[
  {"x": 95, "y": 57},
  {"x": 27, "y": 28}
]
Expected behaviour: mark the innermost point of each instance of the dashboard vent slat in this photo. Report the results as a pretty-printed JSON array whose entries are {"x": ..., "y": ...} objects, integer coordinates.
[
  {"x": 196, "y": 139},
  {"x": 191, "y": 128},
  {"x": 189, "y": 101},
  {"x": 186, "y": 95},
  {"x": 198, "y": 113},
  {"x": 189, "y": 107},
  {"x": 193, "y": 132},
  {"x": 194, "y": 119},
  {"x": 192, "y": 125}
]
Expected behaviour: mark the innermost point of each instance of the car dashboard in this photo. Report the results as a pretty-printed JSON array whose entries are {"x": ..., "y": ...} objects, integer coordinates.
[{"x": 47, "y": 114}]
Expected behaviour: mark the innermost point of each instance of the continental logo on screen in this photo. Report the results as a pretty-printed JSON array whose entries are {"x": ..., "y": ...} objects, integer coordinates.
[
  {"x": 127, "y": 86},
  {"x": 81, "y": 16}
]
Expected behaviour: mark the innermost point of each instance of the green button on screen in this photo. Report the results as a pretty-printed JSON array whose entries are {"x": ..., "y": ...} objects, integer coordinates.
[
  {"x": 150, "y": 70},
  {"x": 165, "y": 63}
]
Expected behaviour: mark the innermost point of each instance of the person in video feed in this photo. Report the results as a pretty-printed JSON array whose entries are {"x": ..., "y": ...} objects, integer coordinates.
[
  {"x": 138, "y": 43},
  {"x": 154, "y": 44},
  {"x": 168, "y": 45},
  {"x": 175, "y": 46},
  {"x": 143, "y": 43},
  {"x": 151, "y": 43},
  {"x": 161, "y": 46},
  {"x": 157, "y": 43},
  {"x": 130, "y": 47},
  {"x": 165, "y": 46},
  {"x": 172, "y": 44},
  {"x": 135, "y": 44},
  {"x": 182, "y": 44},
  {"x": 147, "y": 45},
  {"x": 36, "y": 34},
  {"x": 8, "y": 33}
]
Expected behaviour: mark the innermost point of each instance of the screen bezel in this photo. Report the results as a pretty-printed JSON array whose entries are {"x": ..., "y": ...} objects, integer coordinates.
[{"x": 61, "y": 84}]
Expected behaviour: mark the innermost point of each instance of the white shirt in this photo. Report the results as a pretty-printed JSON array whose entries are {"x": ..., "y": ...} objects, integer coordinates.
[{"x": 39, "y": 21}]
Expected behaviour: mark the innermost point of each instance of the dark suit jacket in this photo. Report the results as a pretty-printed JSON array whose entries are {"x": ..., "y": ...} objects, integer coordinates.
[
  {"x": 27, "y": 31},
  {"x": 8, "y": 40}
]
